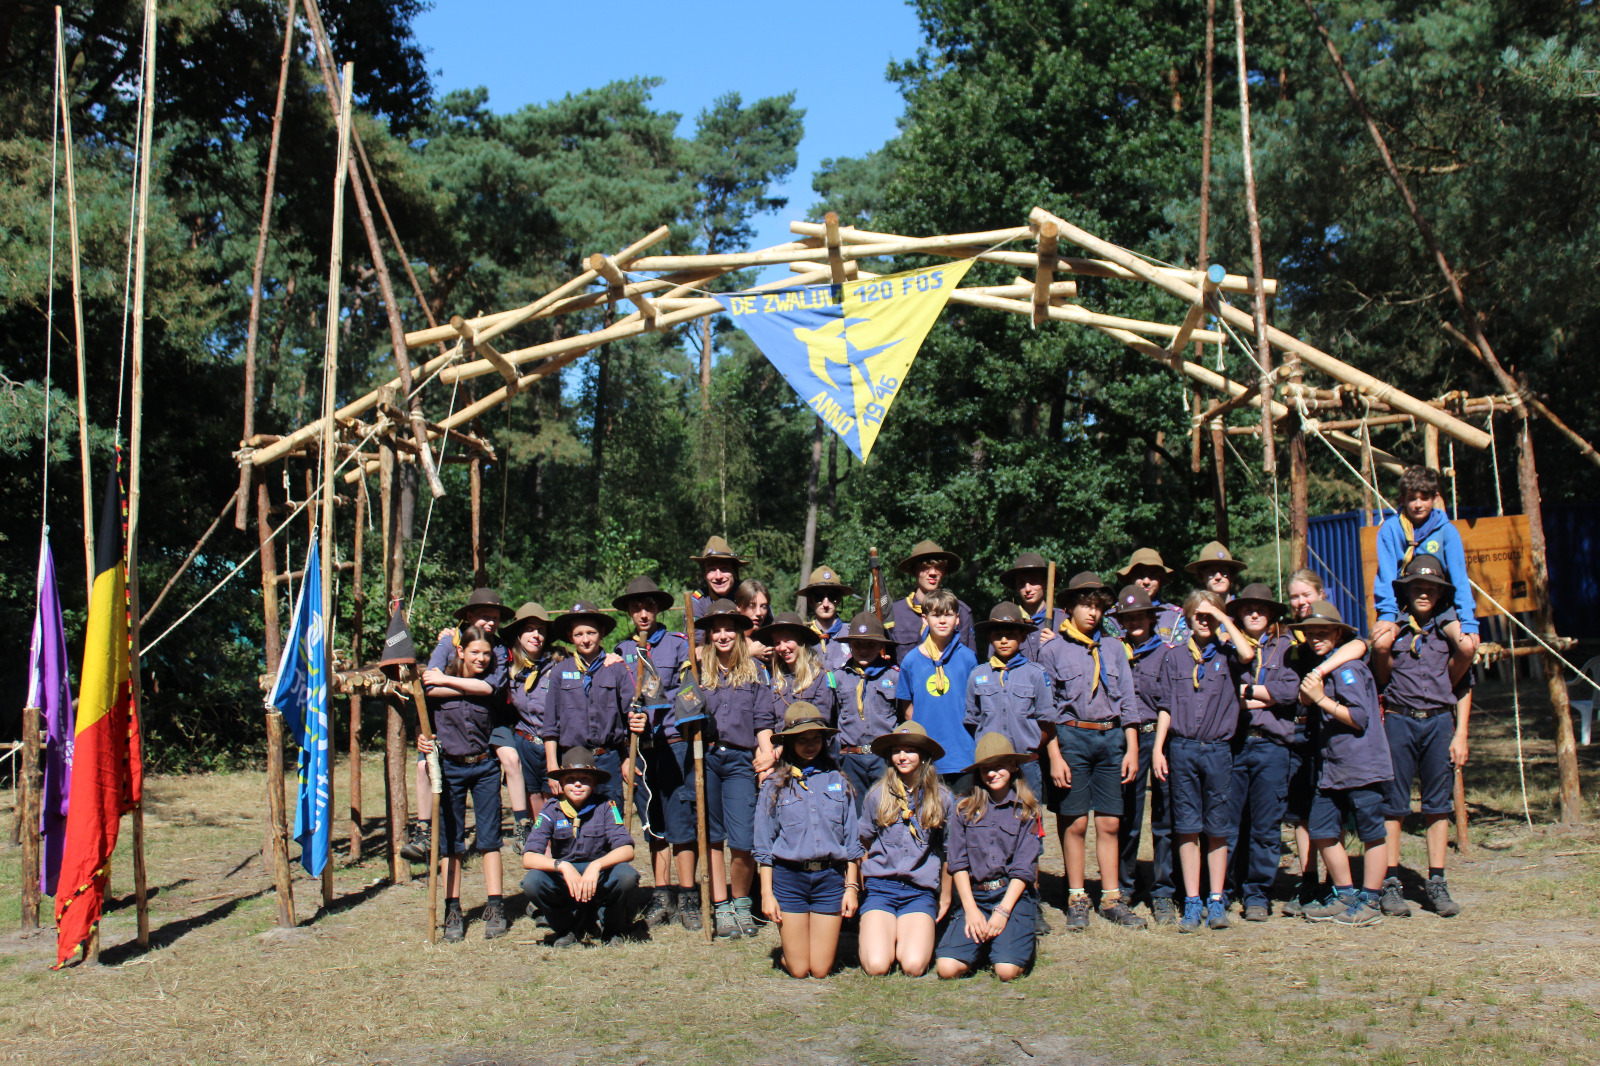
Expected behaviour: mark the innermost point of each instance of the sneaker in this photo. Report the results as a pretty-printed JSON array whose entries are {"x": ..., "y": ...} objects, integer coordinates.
[
  {"x": 494, "y": 920},
  {"x": 417, "y": 842},
  {"x": 1078, "y": 912},
  {"x": 1364, "y": 910},
  {"x": 727, "y": 926},
  {"x": 1329, "y": 909},
  {"x": 1194, "y": 909},
  {"x": 1393, "y": 901},
  {"x": 566, "y": 940},
  {"x": 689, "y": 909},
  {"x": 1217, "y": 913},
  {"x": 1257, "y": 912},
  {"x": 1439, "y": 900},
  {"x": 455, "y": 925},
  {"x": 742, "y": 916},
  {"x": 1164, "y": 910},
  {"x": 1041, "y": 925},
  {"x": 663, "y": 907},
  {"x": 1292, "y": 909},
  {"x": 1117, "y": 913}
]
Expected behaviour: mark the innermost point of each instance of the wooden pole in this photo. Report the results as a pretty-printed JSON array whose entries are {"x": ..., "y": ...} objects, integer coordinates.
[
  {"x": 357, "y": 652},
  {"x": 1369, "y": 473},
  {"x": 193, "y": 554},
  {"x": 28, "y": 810},
  {"x": 480, "y": 568},
  {"x": 1198, "y": 423},
  {"x": 1220, "y": 478},
  {"x": 701, "y": 837},
  {"x": 397, "y": 764},
  {"x": 425, "y": 729},
  {"x": 1269, "y": 459},
  {"x": 1430, "y": 447},
  {"x": 808, "y": 545},
  {"x": 271, "y": 641},
  {"x": 277, "y": 820},
  {"x": 1050, "y": 595},
  {"x": 253, "y": 331},
  {"x": 1459, "y": 798},
  {"x": 77, "y": 312}
]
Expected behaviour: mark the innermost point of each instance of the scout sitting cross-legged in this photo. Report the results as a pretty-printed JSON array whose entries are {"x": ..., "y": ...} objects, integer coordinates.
[{"x": 587, "y": 877}]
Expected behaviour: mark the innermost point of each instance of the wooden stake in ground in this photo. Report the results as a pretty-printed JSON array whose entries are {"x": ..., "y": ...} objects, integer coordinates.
[
  {"x": 28, "y": 811},
  {"x": 277, "y": 819},
  {"x": 425, "y": 729},
  {"x": 701, "y": 833}
]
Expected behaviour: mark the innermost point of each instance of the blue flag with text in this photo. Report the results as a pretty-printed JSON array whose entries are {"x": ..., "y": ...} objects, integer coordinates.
[{"x": 301, "y": 694}]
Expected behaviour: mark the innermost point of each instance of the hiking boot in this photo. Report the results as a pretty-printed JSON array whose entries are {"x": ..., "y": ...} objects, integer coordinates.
[
  {"x": 1336, "y": 904},
  {"x": 455, "y": 925},
  {"x": 1392, "y": 902},
  {"x": 1363, "y": 910},
  {"x": 1164, "y": 910},
  {"x": 1292, "y": 909},
  {"x": 1194, "y": 911},
  {"x": 1078, "y": 912},
  {"x": 1217, "y": 913},
  {"x": 1257, "y": 912},
  {"x": 418, "y": 840},
  {"x": 566, "y": 940},
  {"x": 1117, "y": 913},
  {"x": 663, "y": 907},
  {"x": 742, "y": 916},
  {"x": 727, "y": 926},
  {"x": 494, "y": 920},
  {"x": 689, "y": 909},
  {"x": 1041, "y": 925},
  {"x": 1439, "y": 900}
]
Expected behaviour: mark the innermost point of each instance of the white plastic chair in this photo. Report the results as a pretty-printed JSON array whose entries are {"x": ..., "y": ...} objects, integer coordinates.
[{"x": 1585, "y": 707}]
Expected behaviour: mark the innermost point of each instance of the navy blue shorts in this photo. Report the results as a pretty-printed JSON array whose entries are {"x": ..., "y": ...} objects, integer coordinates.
[
  {"x": 809, "y": 892},
  {"x": 1420, "y": 747},
  {"x": 1014, "y": 945},
  {"x": 1302, "y": 783},
  {"x": 1095, "y": 759},
  {"x": 483, "y": 781},
  {"x": 730, "y": 797},
  {"x": 1332, "y": 806},
  {"x": 669, "y": 772},
  {"x": 862, "y": 771},
  {"x": 899, "y": 897},
  {"x": 1199, "y": 782}
]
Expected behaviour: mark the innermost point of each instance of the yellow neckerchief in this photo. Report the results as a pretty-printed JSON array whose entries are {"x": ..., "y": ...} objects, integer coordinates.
[
  {"x": 1417, "y": 633},
  {"x": 1070, "y": 630},
  {"x": 1411, "y": 539},
  {"x": 1255, "y": 643},
  {"x": 799, "y": 776},
  {"x": 932, "y": 651},
  {"x": 1199, "y": 661},
  {"x": 897, "y": 791},
  {"x": 911, "y": 602},
  {"x": 1002, "y": 665},
  {"x": 572, "y": 813},
  {"x": 861, "y": 688}
]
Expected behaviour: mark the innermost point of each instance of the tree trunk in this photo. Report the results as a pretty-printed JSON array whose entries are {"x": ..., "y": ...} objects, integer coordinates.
[{"x": 705, "y": 364}]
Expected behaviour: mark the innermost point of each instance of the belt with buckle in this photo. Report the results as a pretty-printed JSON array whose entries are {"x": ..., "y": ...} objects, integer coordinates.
[
  {"x": 1147, "y": 727},
  {"x": 1098, "y": 727},
  {"x": 991, "y": 886},
  {"x": 464, "y": 760},
  {"x": 854, "y": 749},
  {"x": 532, "y": 738},
  {"x": 723, "y": 745},
  {"x": 1420, "y": 714},
  {"x": 1257, "y": 731},
  {"x": 1301, "y": 719},
  {"x": 810, "y": 866}
]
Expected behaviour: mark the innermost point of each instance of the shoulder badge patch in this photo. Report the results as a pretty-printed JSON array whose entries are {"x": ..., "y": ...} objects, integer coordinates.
[{"x": 1348, "y": 677}]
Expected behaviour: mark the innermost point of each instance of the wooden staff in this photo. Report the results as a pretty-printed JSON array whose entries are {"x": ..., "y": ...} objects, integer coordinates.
[
  {"x": 28, "y": 810},
  {"x": 633, "y": 743},
  {"x": 277, "y": 818},
  {"x": 425, "y": 729},
  {"x": 1050, "y": 596},
  {"x": 699, "y": 779},
  {"x": 877, "y": 583},
  {"x": 1459, "y": 797}
]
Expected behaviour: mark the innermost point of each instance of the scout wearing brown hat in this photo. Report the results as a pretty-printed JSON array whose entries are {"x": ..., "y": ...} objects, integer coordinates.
[
  {"x": 1029, "y": 577},
  {"x": 929, "y": 564},
  {"x": 825, "y": 594},
  {"x": 1147, "y": 572},
  {"x": 1007, "y": 692},
  {"x": 1137, "y": 614},
  {"x": 866, "y": 700},
  {"x": 1216, "y": 569},
  {"x": 719, "y": 570},
  {"x": 589, "y": 700}
]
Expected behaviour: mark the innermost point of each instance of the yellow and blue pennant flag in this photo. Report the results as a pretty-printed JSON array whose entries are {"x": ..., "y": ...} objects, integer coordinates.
[{"x": 846, "y": 348}]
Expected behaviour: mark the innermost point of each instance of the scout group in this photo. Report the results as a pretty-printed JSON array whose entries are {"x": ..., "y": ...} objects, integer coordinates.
[{"x": 897, "y": 771}]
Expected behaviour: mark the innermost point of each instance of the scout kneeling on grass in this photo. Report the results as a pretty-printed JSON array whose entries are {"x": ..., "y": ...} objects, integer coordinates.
[{"x": 585, "y": 881}]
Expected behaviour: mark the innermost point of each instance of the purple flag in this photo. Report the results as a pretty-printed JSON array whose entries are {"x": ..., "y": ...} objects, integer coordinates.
[{"x": 50, "y": 689}]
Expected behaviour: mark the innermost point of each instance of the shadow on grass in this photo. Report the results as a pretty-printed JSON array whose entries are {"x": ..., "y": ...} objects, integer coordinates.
[
  {"x": 123, "y": 902},
  {"x": 170, "y": 933}
]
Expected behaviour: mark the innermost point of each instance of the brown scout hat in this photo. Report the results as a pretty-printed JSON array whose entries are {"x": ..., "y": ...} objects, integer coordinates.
[
  {"x": 717, "y": 550},
  {"x": 1215, "y": 554},
  {"x": 1004, "y": 615},
  {"x": 581, "y": 612},
  {"x": 579, "y": 761},
  {"x": 528, "y": 612},
  {"x": 803, "y": 717},
  {"x": 1131, "y": 600},
  {"x": 1424, "y": 568},
  {"x": 483, "y": 598},
  {"x": 823, "y": 577},
  {"x": 1323, "y": 613},
  {"x": 925, "y": 549},
  {"x": 866, "y": 626},
  {"x": 1257, "y": 592},
  {"x": 994, "y": 749},
  {"x": 643, "y": 586},
  {"x": 723, "y": 610},
  {"x": 787, "y": 622},
  {"x": 1146, "y": 557},
  {"x": 1024, "y": 562},
  {"x": 908, "y": 735}
]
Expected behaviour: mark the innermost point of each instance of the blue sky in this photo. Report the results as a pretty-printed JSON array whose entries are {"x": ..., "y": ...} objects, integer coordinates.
[{"x": 831, "y": 53}]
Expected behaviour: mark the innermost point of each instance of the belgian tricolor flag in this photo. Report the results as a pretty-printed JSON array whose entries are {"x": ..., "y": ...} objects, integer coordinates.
[{"x": 107, "y": 771}]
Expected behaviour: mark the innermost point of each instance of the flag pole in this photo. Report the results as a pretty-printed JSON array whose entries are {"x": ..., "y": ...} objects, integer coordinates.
[
  {"x": 77, "y": 313},
  {"x": 330, "y": 371},
  {"x": 135, "y": 444}
]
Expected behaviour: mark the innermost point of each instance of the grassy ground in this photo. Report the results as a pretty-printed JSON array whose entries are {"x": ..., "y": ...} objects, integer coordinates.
[{"x": 1514, "y": 979}]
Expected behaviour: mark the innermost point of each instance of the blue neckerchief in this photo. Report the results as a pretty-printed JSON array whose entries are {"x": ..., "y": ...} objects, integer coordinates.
[
  {"x": 590, "y": 669},
  {"x": 657, "y": 635},
  {"x": 1041, "y": 617},
  {"x": 1155, "y": 642},
  {"x": 807, "y": 771},
  {"x": 872, "y": 671},
  {"x": 833, "y": 630}
]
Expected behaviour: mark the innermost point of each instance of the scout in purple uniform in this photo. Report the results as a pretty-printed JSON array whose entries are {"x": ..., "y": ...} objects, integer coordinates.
[
  {"x": 1270, "y": 691},
  {"x": 1198, "y": 709},
  {"x": 654, "y": 656},
  {"x": 587, "y": 877},
  {"x": 527, "y": 639},
  {"x": 1353, "y": 777},
  {"x": 825, "y": 594},
  {"x": 1028, "y": 577},
  {"x": 589, "y": 699},
  {"x": 462, "y": 704},
  {"x": 867, "y": 708},
  {"x": 797, "y": 670},
  {"x": 1426, "y": 674},
  {"x": 929, "y": 564},
  {"x": 903, "y": 829},
  {"x": 1421, "y": 528},
  {"x": 1094, "y": 751},
  {"x": 1009, "y": 693},
  {"x": 807, "y": 845},
  {"x": 738, "y": 732},
  {"x": 755, "y": 603},
  {"x": 719, "y": 573},
  {"x": 992, "y": 852},
  {"x": 1136, "y": 615},
  {"x": 1146, "y": 572},
  {"x": 1216, "y": 570}
]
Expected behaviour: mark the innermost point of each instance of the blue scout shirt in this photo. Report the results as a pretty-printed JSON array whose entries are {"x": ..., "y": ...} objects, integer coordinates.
[
  {"x": 811, "y": 819},
  {"x": 1436, "y": 537},
  {"x": 1011, "y": 699},
  {"x": 833, "y": 651},
  {"x": 907, "y": 628},
  {"x": 821, "y": 693},
  {"x": 1032, "y": 642},
  {"x": 531, "y": 702},
  {"x": 1271, "y": 670},
  {"x": 665, "y": 652},
  {"x": 1360, "y": 756},
  {"x": 462, "y": 722},
  {"x": 938, "y": 694},
  {"x": 904, "y": 849},
  {"x": 1000, "y": 844},
  {"x": 589, "y": 704},
  {"x": 866, "y": 708},
  {"x": 1419, "y": 677},
  {"x": 1202, "y": 697},
  {"x": 598, "y": 831},
  {"x": 1144, "y": 664},
  {"x": 1082, "y": 692},
  {"x": 737, "y": 713}
]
